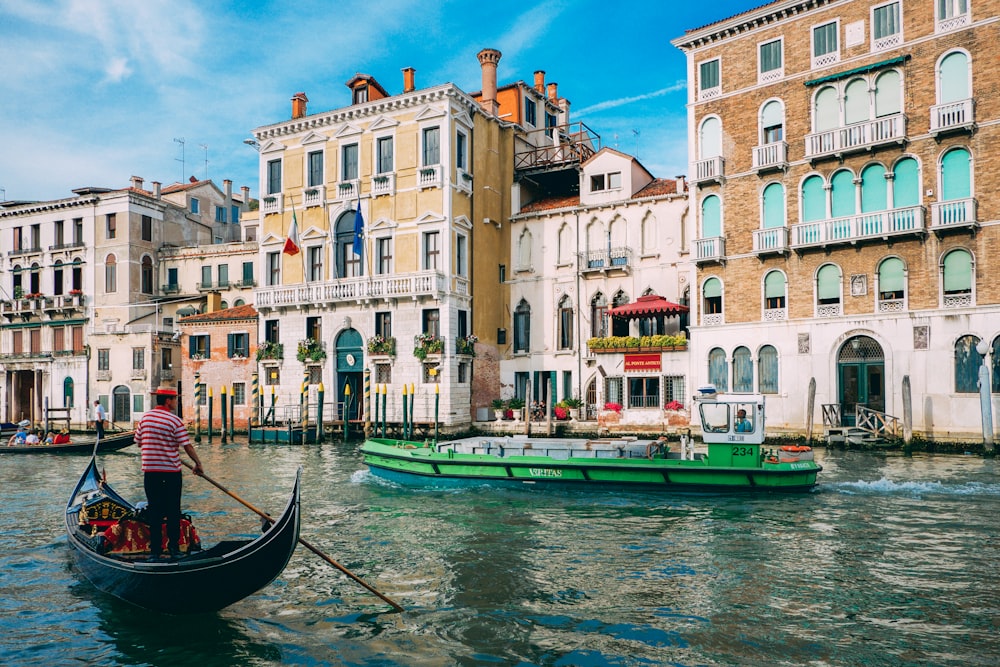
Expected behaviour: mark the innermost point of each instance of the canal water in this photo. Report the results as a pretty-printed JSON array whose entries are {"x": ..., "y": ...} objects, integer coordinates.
[{"x": 891, "y": 561}]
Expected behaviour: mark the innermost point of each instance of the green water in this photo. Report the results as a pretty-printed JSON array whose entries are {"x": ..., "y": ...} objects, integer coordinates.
[{"x": 890, "y": 561}]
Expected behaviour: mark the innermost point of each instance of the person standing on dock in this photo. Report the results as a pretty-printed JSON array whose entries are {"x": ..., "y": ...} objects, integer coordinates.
[
  {"x": 160, "y": 436},
  {"x": 100, "y": 414}
]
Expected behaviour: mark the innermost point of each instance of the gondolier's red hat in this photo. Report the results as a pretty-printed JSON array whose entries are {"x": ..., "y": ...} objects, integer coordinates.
[{"x": 165, "y": 391}]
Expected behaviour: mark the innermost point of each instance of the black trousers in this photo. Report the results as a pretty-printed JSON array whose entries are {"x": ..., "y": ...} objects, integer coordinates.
[
  {"x": 163, "y": 493},
  {"x": 99, "y": 425}
]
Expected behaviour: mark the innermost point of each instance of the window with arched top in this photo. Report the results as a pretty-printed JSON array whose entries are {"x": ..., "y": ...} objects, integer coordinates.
[
  {"x": 619, "y": 326},
  {"x": 888, "y": 94},
  {"x": 711, "y": 217},
  {"x": 826, "y": 109},
  {"x": 522, "y": 327},
  {"x": 68, "y": 394},
  {"x": 828, "y": 290},
  {"x": 110, "y": 274},
  {"x": 772, "y": 122},
  {"x": 767, "y": 369},
  {"x": 953, "y": 78},
  {"x": 564, "y": 314},
  {"x": 348, "y": 263},
  {"x": 906, "y": 183},
  {"x": 718, "y": 369},
  {"x": 35, "y": 279},
  {"x": 710, "y": 138},
  {"x": 57, "y": 277},
  {"x": 566, "y": 245},
  {"x": 599, "y": 316},
  {"x": 524, "y": 250},
  {"x": 742, "y": 370},
  {"x": 147, "y": 275},
  {"x": 842, "y": 191},
  {"x": 956, "y": 175},
  {"x": 874, "y": 189},
  {"x": 649, "y": 242},
  {"x": 967, "y": 363},
  {"x": 712, "y": 293},
  {"x": 773, "y": 206},
  {"x": 891, "y": 276},
  {"x": 957, "y": 278},
  {"x": 775, "y": 295},
  {"x": 813, "y": 199}
]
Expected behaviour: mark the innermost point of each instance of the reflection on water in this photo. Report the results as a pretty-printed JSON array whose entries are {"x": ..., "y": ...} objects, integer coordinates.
[{"x": 891, "y": 561}]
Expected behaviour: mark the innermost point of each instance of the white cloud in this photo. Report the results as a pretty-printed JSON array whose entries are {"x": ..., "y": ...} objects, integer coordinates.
[{"x": 621, "y": 101}]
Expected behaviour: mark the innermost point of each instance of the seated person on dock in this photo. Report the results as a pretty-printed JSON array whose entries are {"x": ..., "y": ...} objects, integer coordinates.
[{"x": 743, "y": 425}]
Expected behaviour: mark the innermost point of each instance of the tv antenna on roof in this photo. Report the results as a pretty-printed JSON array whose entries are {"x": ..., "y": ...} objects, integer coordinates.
[
  {"x": 183, "y": 168},
  {"x": 205, "y": 146},
  {"x": 636, "y": 133}
]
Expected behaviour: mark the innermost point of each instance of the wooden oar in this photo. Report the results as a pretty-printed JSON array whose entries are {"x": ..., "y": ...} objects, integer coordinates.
[{"x": 308, "y": 546}]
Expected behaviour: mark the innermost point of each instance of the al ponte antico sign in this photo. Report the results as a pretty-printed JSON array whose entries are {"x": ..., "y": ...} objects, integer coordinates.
[{"x": 642, "y": 363}]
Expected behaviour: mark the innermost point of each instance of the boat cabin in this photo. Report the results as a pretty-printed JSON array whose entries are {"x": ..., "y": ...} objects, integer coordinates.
[{"x": 732, "y": 426}]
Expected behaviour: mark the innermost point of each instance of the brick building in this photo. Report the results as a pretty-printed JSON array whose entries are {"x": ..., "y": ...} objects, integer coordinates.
[{"x": 845, "y": 178}]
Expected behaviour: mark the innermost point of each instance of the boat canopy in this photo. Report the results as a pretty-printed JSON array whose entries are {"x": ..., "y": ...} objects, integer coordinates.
[{"x": 722, "y": 421}]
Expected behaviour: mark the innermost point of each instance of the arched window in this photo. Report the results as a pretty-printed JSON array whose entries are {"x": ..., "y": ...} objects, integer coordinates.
[
  {"x": 57, "y": 277},
  {"x": 712, "y": 296},
  {"x": 856, "y": 102},
  {"x": 147, "y": 275},
  {"x": 565, "y": 321},
  {"x": 649, "y": 244},
  {"x": 711, "y": 217},
  {"x": 891, "y": 285},
  {"x": 619, "y": 326},
  {"x": 17, "y": 281},
  {"x": 953, "y": 78},
  {"x": 874, "y": 189},
  {"x": 774, "y": 294},
  {"x": 239, "y": 302},
  {"x": 121, "y": 410},
  {"x": 110, "y": 274},
  {"x": 767, "y": 369},
  {"x": 956, "y": 176},
  {"x": 826, "y": 110},
  {"x": 905, "y": 183},
  {"x": 813, "y": 199},
  {"x": 599, "y": 316},
  {"x": 888, "y": 93},
  {"x": 772, "y": 123},
  {"x": 774, "y": 206},
  {"x": 566, "y": 244},
  {"x": 77, "y": 274},
  {"x": 718, "y": 369},
  {"x": 347, "y": 263},
  {"x": 996, "y": 365},
  {"x": 68, "y": 392},
  {"x": 967, "y": 363},
  {"x": 522, "y": 327},
  {"x": 617, "y": 241},
  {"x": 742, "y": 370},
  {"x": 828, "y": 290},
  {"x": 842, "y": 193},
  {"x": 710, "y": 138},
  {"x": 35, "y": 279},
  {"x": 957, "y": 278},
  {"x": 524, "y": 250}
]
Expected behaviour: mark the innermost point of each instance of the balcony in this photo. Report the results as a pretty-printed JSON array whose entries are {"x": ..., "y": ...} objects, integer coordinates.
[
  {"x": 352, "y": 290},
  {"x": 67, "y": 246},
  {"x": 557, "y": 148},
  {"x": 347, "y": 190},
  {"x": 273, "y": 203},
  {"x": 770, "y": 156},
  {"x": 138, "y": 373},
  {"x": 707, "y": 250},
  {"x": 606, "y": 261},
  {"x": 24, "y": 251},
  {"x": 313, "y": 196},
  {"x": 857, "y": 137},
  {"x": 103, "y": 376},
  {"x": 953, "y": 117},
  {"x": 429, "y": 177},
  {"x": 770, "y": 241},
  {"x": 711, "y": 170},
  {"x": 172, "y": 288},
  {"x": 383, "y": 184},
  {"x": 909, "y": 221},
  {"x": 957, "y": 214},
  {"x": 775, "y": 314},
  {"x": 246, "y": 282}
]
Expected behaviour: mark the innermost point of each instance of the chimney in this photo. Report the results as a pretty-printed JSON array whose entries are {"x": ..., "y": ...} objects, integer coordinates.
[
  {"x": 299, "y": 105},
  {"x": 553, "y": 93},
  {"x": 227, "y": 187},
  {"x": 137, "y": 182},
  {"x": 564, "y": 106},
  {"x": 408, "y": 83},
  {"x": 681, "y": 185},
  {"x": 156, "y": 189},
  {"x": 244, "y": 206},
  {"x": 540, "y": 81},
  {"x": 213, "y": 302},
  {"x": 488, "y": 59}
]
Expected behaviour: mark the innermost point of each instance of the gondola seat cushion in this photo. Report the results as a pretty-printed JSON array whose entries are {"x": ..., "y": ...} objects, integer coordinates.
[{"x": 131, "y": 536}]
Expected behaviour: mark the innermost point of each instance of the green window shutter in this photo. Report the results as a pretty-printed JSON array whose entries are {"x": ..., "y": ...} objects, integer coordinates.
[
  {"x": 957, "y": 272},
  {"x": 710, "y": 138},
  {"x": 887, "y": 94},
  {"x": 708, "y": 75},
  {"x": 842, "y": 194},
  {"x": 955, "y": 175},
  {"x": 192, "y": 346},
  {"x": 874, "y": 189},
  {"x": 712, "y": 288},
  {"x": 813, "y": 199},
  {"x": 742, "y": 370},
  {"x": 828, "y": 282},
  {"x": 767, "y": 363},
  {"x": 890, "y": 275},
  {"x": 772, "y": 115},
  {"x": 711, "y": 217},
  {"x": 827, "y": 113},
  {"x": 905, "y": 183},
  {"x": 856, "y": 102},
  {"x": 774, "y": 285},
  {"x": 770, "y": 56},
  {"x": 885, "y": 21},
  {"x": 953, "y": 78},
  {"x": 774, "y": 206},
  {"x": 230, "y": 344}
]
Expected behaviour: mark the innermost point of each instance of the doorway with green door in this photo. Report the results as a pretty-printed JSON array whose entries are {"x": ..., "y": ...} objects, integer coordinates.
[{"x": 860, "y": 377}]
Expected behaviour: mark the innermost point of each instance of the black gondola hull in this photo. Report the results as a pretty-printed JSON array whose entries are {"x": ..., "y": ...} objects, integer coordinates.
[
  {"x": 201, "y": 582},
  {"x": 110, "y": 443}
]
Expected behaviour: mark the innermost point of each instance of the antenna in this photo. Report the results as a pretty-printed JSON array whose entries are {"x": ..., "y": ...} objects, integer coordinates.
[
  {"x": 183, "y": 167},
  {"x": 205, "y": 146},
  {"x": 636, "y": 133}
]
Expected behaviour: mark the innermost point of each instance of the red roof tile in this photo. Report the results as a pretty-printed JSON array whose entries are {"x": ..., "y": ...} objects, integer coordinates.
[{"x": 245, "y": 312}]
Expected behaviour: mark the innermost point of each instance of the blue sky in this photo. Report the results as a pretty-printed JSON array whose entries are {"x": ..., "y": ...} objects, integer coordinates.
[{"x": 95, "y": 91}]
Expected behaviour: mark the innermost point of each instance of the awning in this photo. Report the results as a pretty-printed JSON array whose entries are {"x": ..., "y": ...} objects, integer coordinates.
[
  {"x": 864, "y": 69},
  {"x": 647, "y": 306}
]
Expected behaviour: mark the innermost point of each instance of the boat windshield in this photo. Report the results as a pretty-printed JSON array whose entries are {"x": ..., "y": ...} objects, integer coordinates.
[{"x": 729, "y": 417}]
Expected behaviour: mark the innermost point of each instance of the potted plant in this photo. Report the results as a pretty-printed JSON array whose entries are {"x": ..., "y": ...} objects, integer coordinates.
[
  {"x": 466, "y": 345},
  {"x": 425, "y": 344},
  {"x": 270, "y": 350},
  {"x": 498, "y": 405},
  {"x": 379, "y": 344},
  {"x": 310, "y": 350},
  {"x": 573, "y": 405},
  {"x": 516, "y": 406}
]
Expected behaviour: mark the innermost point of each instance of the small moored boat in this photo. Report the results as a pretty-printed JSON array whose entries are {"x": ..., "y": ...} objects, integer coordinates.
[
  {"x": 732, "y": 429},
  {"x": 82, "y": 445},
  {"x": 105, "y": 536}
]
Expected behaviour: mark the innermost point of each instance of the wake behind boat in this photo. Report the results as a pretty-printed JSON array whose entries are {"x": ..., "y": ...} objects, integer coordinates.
[
  {"x": 732, "y": 428},
  {"x": 105, "y": 533},
  {"x": 78, "y": 445}
]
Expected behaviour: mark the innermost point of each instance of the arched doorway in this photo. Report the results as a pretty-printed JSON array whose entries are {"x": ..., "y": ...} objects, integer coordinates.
[
  {"x": 861, "y": 377},
  {"x": 121, "y": 410},
  {"x": 350, "y": 371}
]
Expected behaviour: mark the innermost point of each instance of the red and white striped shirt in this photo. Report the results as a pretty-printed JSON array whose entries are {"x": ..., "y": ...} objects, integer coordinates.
[{"x": 160, "y": 435}]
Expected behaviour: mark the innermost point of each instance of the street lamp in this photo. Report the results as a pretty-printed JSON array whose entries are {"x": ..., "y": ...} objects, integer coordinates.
[{"x": 985, "y": 400}]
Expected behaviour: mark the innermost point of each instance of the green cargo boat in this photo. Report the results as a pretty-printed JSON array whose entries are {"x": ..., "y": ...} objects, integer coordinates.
[{"x": 732, "y": 429}]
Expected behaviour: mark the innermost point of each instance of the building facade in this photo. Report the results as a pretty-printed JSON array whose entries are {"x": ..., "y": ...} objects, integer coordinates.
[{"x": 844, "y": 183}]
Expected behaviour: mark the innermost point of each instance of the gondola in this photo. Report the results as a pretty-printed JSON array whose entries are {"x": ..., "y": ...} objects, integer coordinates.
[
  {"x": 198, "y": 581},
  {"x": 82, "y": 445}
]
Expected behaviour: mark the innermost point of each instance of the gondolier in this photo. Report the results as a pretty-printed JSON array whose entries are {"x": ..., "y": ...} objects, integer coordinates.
[{"x": 160, "y": 435}]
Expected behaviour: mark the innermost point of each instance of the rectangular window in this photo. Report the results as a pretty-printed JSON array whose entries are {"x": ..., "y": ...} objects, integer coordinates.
[
  {"x": 36, "y": 341},
  {"x": 315, "y": 168},
  {"x": 886, "y": 26},
  {"x": 273, "y": 177},
  {"x": 349, "y": 162},
  {"x": 236, "y": 214},
  {"x": 432, "y": 251},
  {"x": 565, "y": 327},
  {"x": 383, "y": 373},
  {"x": 223, "y": 271},
  {"x": 36, "y": 236},
  {"x": 461, "y": 155},
  {"x": 950, "y": 9},
  {"x": 614, "y": 391},
  {"x": 432, "y": 322},
  {"x": 550, "y": 122},
  {"x": 432, "y": 146},
  {"x": 77, "y": 333},
  {"x": 17, "y": 344},
  {"x": 272, "y": 331},
  {"x": 360, "y": 94},
  {"x": 462, "y": 255},
  {"x": 502, "y": 274},
  {"x": 709, "y": 84},
  {"x": 673, "y": 388},
  {"x": 111, "y": 225},
  {"x": 104, "y": 359},
  {"x": 138, "y": 404},
  {"x": 138, "y": 358},
  {"x": 206, "y": 277},
  {"x": 315, "y": 263},
  {"x": 274, "y": 268},
  {"x": 615, "y": 180},
  {"x": 530, "y": 111},
  {"x": 58, "y": 339},
  {"x": 240, "y": 393},
  {"x": 826, "y": 48},
  {"x": 314, "y": 328},
  {"x": 238, "y": 345},
  {"x": 77, "y": 231},
  {"x": 200, "y": 347},
  {"x": 59, "y": 234},
  {"x": 463, "y": 323},
  {"x": 147, "y": 228},
  {"x": 463, "y": 372},
  {"x": 644, "y": 392},
  {"x": 247, "y": 274},
  {"x": 384, "y": 157},
  {"x": 272, "y": 376},
  {"x": 770, "y": 59},
  {"x": 166, "y": 359},
  {"x": 597, "y": 182},
  {"x": 383, "y": 324},
  {"x": 383, "y": 250}
]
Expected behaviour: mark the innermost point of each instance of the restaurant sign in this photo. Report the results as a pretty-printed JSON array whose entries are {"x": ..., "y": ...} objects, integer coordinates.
[{"x": 639, "y": 363}]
